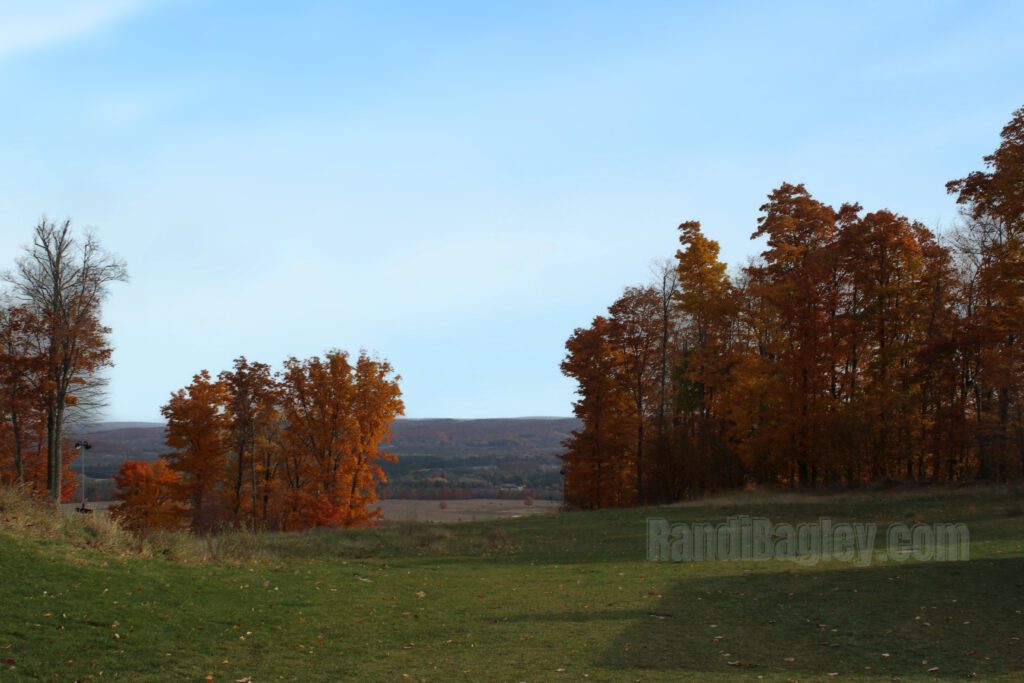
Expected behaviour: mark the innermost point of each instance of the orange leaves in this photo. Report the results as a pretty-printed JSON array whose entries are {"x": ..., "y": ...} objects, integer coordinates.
[
  {"x": 253, "y": 430},
  {"x": 705, "y": 294},
  {"x": 316, "y": 405},
  {"x": 197, "y": 430},
  {"x": 23, "y": 384},
  {"x": 62, "y": 282},
  {"x": 294, "y": 450},
  {"x": 596, "y": 470},
  {"x": 999, "y": 192},
  {"x": 857, "y": 347},
  {"x": 149, "y": 496},
  {"x": 993, "y": 243},
  {"x": 338, "y": 417}
]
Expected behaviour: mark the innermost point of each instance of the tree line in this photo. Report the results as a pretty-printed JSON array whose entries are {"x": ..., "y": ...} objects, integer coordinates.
[
  {"x": 255, "y": 449},
  {"x": 857, "y": 347}
]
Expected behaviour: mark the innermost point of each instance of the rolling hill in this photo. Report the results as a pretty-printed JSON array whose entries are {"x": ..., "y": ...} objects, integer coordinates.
[{"x": 474, "y": 456}]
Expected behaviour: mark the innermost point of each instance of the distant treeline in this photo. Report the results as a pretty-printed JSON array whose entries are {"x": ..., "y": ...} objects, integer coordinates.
[
  {"x": 859, "y": 347},
  {"x": 435, "y": 477},
  {"x": 479, "y": 455}
]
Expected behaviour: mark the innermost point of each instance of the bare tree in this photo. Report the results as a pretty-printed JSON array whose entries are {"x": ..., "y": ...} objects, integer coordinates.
[
  {"x": 666, "y": 282},
  {"x": 65, "y": 280}
]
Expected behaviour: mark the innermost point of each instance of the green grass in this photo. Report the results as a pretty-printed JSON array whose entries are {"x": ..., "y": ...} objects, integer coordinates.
[{"x": 546, "y": 598}]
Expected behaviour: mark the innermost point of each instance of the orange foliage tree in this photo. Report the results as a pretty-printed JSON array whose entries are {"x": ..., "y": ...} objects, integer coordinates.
[
  {"x": 250, "y": 410},
  {"x": 22, "y": 368},
  {"x": 293, "y": 450},
  {"x": 377, "y": 401},
  {"x": 993, "y": 203},
  {"x": 706, "y": 308},
  {"x": 148, "y": 495},
  {"x": 596, "y": 465},
  {"x": 317, "y": 400},
  {"x": 197, "y": 430},
  {"x": 856, "y": 348},
  {"x": 24, "y": 459},
  {"x": 63, "y": 281}
]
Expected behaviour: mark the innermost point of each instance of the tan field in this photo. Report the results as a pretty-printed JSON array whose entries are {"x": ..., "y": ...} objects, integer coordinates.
[
  {"x": 469, "y": 510},
  {"x": 461, "y": 510}
]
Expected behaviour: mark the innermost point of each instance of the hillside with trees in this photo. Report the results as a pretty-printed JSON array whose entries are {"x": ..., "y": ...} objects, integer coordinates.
[{"x": 437, "y": 458}]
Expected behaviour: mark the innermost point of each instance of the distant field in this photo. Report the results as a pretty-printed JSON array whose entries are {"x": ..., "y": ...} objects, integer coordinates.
[
  {"x": 556, "y": 597},
  {"x": 469, "y": 510}
]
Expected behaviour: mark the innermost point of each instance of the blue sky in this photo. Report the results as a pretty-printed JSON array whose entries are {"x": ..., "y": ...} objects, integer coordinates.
[{"x": 456, "y": 186}]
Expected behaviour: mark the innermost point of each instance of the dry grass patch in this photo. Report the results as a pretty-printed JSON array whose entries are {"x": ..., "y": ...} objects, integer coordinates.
[{"x": 21, "y": 516}]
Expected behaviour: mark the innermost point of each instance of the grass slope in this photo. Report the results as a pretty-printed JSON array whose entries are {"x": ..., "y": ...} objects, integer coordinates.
[{"x": 547, "y": 598}]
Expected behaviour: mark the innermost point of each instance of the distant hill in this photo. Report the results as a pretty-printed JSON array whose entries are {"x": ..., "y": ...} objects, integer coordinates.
[
  {"x": 112, "y": 426},
  {"x": 495, "y": 436},
  {"x": 114, "y": 442}
]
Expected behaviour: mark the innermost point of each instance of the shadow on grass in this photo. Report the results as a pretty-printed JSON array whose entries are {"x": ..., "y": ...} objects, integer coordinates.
[
  {"x": 617, "y": 535},
  {"x": 888, "y": 620}
]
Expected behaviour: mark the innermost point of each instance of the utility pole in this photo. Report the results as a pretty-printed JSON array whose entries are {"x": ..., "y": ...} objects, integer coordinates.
[{"x": 81, "y": 447}]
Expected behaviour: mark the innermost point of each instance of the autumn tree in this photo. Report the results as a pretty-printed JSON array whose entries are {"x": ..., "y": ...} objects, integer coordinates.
[
  {"x": 291, "y": 450},
  {"x": 64, "y": 281},
  {"x": 376, "y": 402},
  {"x": 317, "y": 397},
  {"x": 941, "y": 367},
  {"x": 795, "y": 281},
  {"x": 886, "y": 309},
  {"x": 197, "y": 430},
  {"x": 706, "y": 307},
  {"x": 857, "y": 347},
  {"x": 147, "y": 494},
  {"x": 634, "y": 331},
  {"x": 251, "y": 412},
  {"x": 597, "y": 469},
  {"x": 993, "y": 208},
  {"x": 663, "y": 480},
  {"x": 22, "y": 367}
]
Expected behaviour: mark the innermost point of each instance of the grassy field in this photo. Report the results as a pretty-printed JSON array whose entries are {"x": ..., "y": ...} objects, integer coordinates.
[{"x": 540, "y": 598}]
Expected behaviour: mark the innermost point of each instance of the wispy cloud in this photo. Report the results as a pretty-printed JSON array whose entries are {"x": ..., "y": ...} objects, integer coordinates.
[{"x": 42, "y": 23}]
